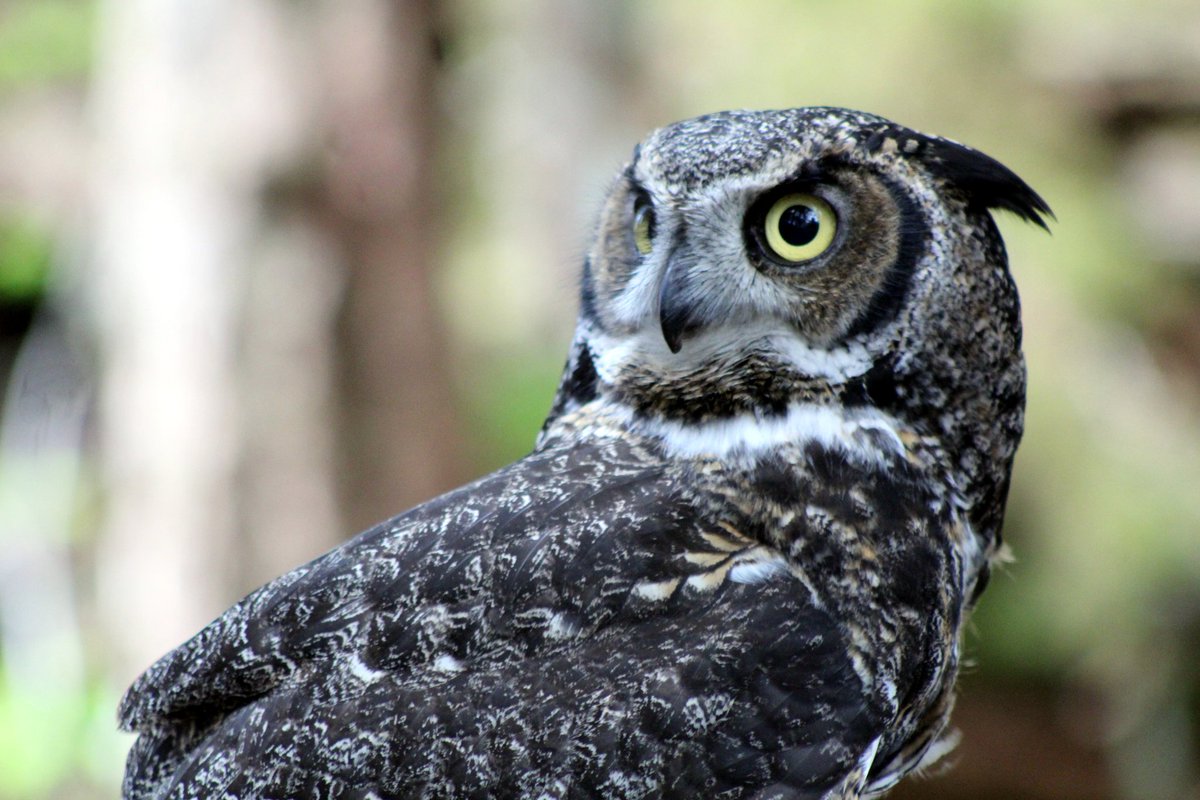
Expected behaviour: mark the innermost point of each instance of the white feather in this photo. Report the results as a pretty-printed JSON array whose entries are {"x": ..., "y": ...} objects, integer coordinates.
[
  {"x": 447, "y": 663},
  {"x": 757, "y": 571},
  {"x": 852, "y": 431},
  {"x": 361, "y": 671}
]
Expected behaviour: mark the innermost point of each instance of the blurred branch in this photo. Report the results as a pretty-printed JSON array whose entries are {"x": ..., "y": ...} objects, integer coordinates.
[
  {"x": 221, "y": 269},
  {"x": 184, "y": 144},
  {"x": 380, "y": 199}
]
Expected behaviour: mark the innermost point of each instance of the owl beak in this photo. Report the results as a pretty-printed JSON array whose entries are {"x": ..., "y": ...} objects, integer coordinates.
[{"x": 674, "y": 312}]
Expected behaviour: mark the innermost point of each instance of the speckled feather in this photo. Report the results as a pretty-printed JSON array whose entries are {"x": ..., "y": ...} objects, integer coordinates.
[{"x": 736, "y": 571}]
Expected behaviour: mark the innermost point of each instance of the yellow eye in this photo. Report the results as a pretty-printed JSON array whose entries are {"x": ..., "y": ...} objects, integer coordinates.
[
  {"x": 800, "y": 227},
  {"x": 643, "y": 228}
]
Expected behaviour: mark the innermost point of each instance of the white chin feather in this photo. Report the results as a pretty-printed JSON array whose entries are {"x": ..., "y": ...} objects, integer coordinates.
[{"x": 647, "y": 349}]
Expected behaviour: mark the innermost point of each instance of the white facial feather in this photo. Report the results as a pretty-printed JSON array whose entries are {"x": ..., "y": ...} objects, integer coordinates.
[
  {"x": 713, "y": 221},
  {"x": 727, "y": 342}
]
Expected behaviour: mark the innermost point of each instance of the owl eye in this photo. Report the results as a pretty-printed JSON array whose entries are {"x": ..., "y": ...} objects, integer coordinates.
[
  {"x": 643, "y": 226},
  {"x": 800, "y": 227}
]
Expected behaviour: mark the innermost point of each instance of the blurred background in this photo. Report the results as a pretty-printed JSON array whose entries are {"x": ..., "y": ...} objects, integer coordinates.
[{"x": 271, "y": 271}]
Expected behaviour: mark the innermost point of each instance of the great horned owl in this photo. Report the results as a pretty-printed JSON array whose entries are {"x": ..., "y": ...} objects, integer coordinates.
[{"x": 737, "y": 562}]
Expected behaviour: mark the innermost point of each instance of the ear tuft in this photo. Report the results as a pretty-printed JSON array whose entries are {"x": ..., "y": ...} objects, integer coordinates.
[{"x": 984, "y": 181}]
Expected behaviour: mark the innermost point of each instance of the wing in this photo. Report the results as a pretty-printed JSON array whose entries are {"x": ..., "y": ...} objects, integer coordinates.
[{"x": 571, "y": 626}]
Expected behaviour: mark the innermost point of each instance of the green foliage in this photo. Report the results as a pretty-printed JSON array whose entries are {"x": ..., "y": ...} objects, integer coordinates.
[
  {"x": 25, "y": 252},
  {"x": 44, "y": 40},
  {"x": 50, "y": 737},
  {"x": 508, "y": 398}
]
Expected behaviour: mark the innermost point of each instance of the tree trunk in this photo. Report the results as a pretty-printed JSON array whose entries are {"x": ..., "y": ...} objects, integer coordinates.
[{"x": 400, "y": 434}]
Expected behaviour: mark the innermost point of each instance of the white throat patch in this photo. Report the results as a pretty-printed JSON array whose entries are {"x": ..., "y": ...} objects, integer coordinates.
[{"x": 867, "y": 435}]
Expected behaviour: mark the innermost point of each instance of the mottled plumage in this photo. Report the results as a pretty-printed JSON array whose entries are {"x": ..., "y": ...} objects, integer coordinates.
[{"x": 738, "y": 561}]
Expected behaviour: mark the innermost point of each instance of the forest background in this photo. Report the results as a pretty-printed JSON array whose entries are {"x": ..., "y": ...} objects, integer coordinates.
[{"x": 274, "y": 270}]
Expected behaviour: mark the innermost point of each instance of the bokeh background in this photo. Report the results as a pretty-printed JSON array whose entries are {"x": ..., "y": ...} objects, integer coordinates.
[{"x": 272, "y": 270}]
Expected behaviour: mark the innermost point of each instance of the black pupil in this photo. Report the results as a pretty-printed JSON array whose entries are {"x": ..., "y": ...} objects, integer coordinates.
[{"x": 798, "y": 225}]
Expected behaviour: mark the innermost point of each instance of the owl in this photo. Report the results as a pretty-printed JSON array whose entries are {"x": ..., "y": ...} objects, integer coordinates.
[{"x": 738, "y": 561}]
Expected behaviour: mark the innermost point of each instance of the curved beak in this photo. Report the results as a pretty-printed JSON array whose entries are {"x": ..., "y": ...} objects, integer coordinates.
[{"x": 675, "y": 313}]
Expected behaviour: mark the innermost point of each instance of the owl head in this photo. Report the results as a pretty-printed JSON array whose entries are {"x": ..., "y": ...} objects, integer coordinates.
[{"x": 748, "y": 263}]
